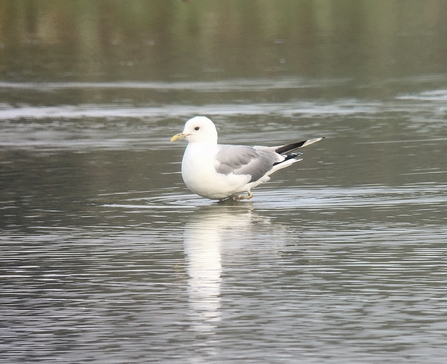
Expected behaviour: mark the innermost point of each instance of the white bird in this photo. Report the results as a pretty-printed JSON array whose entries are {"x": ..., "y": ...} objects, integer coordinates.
[{"x": 220, "y": 172}]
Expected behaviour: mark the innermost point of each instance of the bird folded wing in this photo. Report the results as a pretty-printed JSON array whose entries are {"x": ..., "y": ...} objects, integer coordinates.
[{"x": 245, "y": 160}]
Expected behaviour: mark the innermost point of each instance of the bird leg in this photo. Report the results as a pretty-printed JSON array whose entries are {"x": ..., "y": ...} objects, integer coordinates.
[{"x": 243, "y": 197}]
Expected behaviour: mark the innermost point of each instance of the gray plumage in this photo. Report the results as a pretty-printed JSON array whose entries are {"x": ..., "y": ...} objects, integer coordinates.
[{"x": 241, "y": 159}]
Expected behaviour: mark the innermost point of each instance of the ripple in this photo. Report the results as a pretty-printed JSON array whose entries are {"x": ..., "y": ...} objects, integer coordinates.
[
  {"x": 169, "y": 202},
  {"x": 362, "y": 196},
  {"x": 432, "y": 95},
  {"x": 113, "y": 111},
  {"x": 214, "y": 86},
  {"x": 302, "y": 197}
]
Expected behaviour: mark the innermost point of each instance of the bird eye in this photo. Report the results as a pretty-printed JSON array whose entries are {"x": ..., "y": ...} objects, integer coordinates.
[{"x": 197, "y": 128}]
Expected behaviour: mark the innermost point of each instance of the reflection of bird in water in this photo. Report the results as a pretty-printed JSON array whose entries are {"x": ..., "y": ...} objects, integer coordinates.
[
  {"x": 220, "y": 172},
  {"x": 203, "y": 239},
  {"x": 231, "y": 238}
]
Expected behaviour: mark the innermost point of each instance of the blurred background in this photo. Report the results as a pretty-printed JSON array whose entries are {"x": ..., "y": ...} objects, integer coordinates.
[{"x": 43, "y": 40}]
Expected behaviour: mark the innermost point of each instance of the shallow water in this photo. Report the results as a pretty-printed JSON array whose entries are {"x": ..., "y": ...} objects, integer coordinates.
[
  {"x": 341, "y": 258},
  {"x": 107, "y": 257}
]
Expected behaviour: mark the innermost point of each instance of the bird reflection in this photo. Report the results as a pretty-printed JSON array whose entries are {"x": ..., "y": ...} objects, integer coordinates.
[{"x": 209, "y": 229}]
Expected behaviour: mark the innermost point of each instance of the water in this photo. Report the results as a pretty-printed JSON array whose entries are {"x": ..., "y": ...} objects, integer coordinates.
[{"x": 341, "y": 258}]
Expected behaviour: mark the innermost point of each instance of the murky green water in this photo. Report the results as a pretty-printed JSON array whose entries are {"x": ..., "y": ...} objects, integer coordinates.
[{"x": 107, "y": 257}]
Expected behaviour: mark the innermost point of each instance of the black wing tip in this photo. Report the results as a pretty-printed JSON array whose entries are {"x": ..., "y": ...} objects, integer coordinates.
[
  {"x": 289, "y": 156},
  {"x": 292, "y": 146}
]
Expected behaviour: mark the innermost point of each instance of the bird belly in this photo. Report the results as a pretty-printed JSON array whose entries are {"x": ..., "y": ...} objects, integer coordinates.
[{"x": 201, "y": 177}]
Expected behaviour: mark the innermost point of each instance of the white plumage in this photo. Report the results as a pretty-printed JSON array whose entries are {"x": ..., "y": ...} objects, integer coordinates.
[{"x": 220, "y": 172}]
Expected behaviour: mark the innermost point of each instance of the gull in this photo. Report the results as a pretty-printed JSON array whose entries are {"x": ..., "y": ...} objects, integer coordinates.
[{"x": 221, "y": 172}]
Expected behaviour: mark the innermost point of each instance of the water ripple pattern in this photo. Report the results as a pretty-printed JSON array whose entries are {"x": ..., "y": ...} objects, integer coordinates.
[{"x": 108, "y": 258}]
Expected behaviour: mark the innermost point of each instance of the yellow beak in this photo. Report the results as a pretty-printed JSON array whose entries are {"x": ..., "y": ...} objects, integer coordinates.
[{"x": 178, "y": 136}]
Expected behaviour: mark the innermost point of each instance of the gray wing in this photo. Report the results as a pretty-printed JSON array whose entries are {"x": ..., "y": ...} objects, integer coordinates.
[{"x": 240, "y": 159}]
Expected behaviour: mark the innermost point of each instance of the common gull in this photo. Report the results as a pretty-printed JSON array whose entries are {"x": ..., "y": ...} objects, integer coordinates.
[{"x": 220, "y": 172}]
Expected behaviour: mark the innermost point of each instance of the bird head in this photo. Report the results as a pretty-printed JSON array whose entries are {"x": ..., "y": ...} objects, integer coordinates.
[{"x": 198, "y": 129}]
